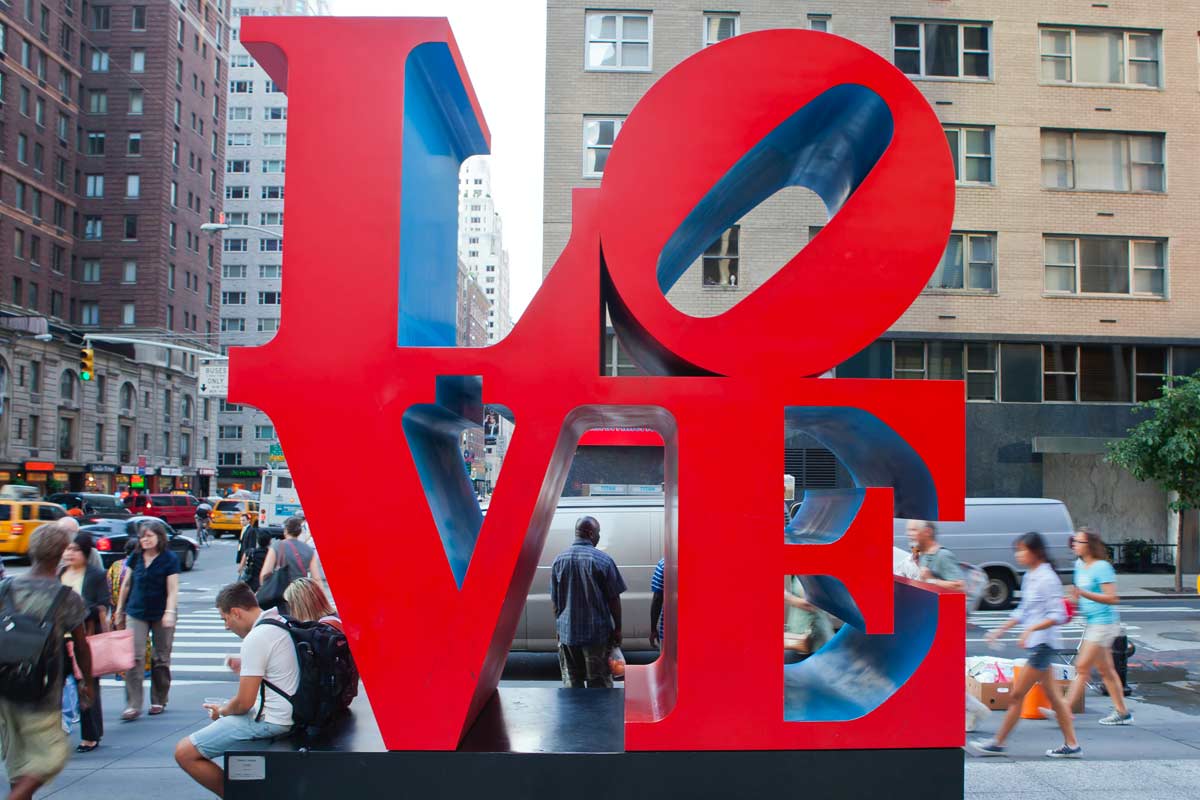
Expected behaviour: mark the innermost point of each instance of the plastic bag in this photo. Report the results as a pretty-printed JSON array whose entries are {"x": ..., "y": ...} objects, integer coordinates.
[
  {"x": 70, "y": 704},
  {"x": 616, "y": 663}
]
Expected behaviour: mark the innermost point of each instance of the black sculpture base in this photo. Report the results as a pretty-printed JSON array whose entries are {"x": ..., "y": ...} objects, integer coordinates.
[{"x": 533, "y": 743}]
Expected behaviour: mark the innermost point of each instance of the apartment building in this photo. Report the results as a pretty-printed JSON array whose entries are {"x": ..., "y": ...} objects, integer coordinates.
[
  {"x": 481, "y": 243},
  {"x": 112, "y": 126},
  {"x": 252, "y": 263},
  {"x": 1067, "y": 290}
]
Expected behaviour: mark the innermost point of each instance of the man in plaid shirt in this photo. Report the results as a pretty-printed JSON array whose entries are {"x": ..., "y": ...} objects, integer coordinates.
[{"x": 585, "y": 588}]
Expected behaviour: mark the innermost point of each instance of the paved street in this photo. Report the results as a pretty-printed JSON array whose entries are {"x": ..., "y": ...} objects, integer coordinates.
[{"x": 1165, "y": 743}]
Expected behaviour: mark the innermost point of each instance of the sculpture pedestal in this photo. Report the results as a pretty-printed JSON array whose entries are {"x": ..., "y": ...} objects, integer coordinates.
[{"x": 531, "y": 743}]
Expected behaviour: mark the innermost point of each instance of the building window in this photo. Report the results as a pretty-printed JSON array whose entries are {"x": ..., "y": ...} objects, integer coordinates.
[
  {"x": 93, "y": 186},
  {"x": 274, "y": 140},
  {"x": 229, "y": 431},
  {"x": 820, "y": 22},
  {"x": 273, "y": 113},
  {"x": 234, "y": 246},
  {"x": 241, "y": 87},
  {"x": 238, "y": 166},
  {"x": 1098, "y": 56},
  {"x": 268, "y": 298},
  {"x": 273, "y": 218},
  {"x": 240, "y": 113},
  {"x": 128, "y": 314},
  {"x": 971, "y": 149},
  {"x": 720, "y": 259},
  {"x": 235, "y": 192},
  {"x": 133, "y": 185},
  {"x": 268, "y": 324},
  {"x": 968, "y": 263},
  {"x": 238, "y": 139},
  {"x": 264, "y": 432},
  {"x": 89, "y": 314},
  {"x": 273, "y": 165},
  {"x": 618, "y": 41},
  {"x": 137, "y": 60},
  {"x": 1090, "y": 373},
  {"x": 233, "y": 271},
  {"x": 908, "y": 360},
  {"x": 95, "y": 143},
  {"x": 134, "y": 146},
  {"x": 131, "y": 232},
  {"x": 98, "y": 101},
  {"x": 101, "y": 19},
  {"x": 270, "y": 245},
  {"x": 91, "y": 271},
  {"x": 139, "y": 18},
  {"x": 233, "y": 325},
  {"x": 129, "y": 275},
  {"x": 272, "y": 193},
  {"x": 1104, "y": 265},
  {"x": 233, "y": 298},
  {"x": 599, "y": 133},
  {"x": 1150, "y": 370},
  {"x": 719, "y": 27},
  {"x": 1103, "y": 161},
  {"x": 93, "y": 227},
  {"x": 270, "y": 271},
  {"x": 937, "y": 49}
]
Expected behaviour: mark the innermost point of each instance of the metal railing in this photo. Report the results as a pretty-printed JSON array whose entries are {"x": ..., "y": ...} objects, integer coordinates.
[{"x": 1142, "y": 556}]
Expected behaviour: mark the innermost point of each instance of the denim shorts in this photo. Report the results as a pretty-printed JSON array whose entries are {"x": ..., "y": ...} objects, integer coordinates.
[
  {"x": 213, "y": 740},
  {"x": 1039, "y": 657}
]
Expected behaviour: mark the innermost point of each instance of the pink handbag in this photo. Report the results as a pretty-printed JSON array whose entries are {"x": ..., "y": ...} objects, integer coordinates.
[{"x": 111, "y": 652}]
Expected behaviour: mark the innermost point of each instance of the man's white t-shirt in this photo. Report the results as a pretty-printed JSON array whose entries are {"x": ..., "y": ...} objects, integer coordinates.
[{"x": 268, "y": 653}]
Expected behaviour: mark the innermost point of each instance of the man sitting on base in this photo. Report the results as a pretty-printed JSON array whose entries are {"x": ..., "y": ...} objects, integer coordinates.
[{"x": 257, "y": 712}]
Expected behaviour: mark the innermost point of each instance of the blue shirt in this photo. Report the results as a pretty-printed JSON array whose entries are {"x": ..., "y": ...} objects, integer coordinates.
[
  {"x": 582, "y": 582},
  {"x": 657, "y": 584},
  {"x": 148, "y": 592},
  {"x": 1091, "y": 579}
]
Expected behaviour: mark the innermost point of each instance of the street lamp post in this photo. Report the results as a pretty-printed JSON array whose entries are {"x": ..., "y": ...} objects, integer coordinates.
[{"x": 218, "y": 227}]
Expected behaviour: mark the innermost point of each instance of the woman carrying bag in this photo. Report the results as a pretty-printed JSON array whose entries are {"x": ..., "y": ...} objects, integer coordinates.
[
  {"x": 90, "y": 583},
  {"x": 286, "y": 561}
]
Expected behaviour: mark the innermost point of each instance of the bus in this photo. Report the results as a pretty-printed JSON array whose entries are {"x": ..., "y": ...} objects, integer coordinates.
[{"x": 278, "y": 499}]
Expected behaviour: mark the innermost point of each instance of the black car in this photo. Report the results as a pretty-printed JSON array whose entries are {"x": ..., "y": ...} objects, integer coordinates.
[
  {"x": 110, "y": 536},
  {"x": 93, "y": 506}
]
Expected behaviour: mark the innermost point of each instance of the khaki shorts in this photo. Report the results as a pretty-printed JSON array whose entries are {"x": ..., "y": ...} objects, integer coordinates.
[
  {"x": 1103, "y": 634},
  {"x": 33, "y": 742}
]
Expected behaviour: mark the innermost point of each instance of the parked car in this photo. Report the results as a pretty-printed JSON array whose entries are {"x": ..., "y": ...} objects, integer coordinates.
[
  {"x": 110, "y": 536},
  {"x": 20, "y": 518},
  {"x": 985, "y": 539},
  {"x": 226, "y": 516},
  {"x": 93, "y": 506},
  {"x": 174, "y": 509}
]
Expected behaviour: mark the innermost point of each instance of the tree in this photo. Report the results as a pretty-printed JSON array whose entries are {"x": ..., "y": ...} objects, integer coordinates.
[{"x": 1165, "y": 449}]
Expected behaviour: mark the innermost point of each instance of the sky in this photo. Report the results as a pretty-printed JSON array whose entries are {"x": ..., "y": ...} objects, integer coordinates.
[{"x": 504, "y": 47}]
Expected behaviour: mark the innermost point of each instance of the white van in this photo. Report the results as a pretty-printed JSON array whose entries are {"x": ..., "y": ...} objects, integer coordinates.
[{"x": 985, "y": 538}]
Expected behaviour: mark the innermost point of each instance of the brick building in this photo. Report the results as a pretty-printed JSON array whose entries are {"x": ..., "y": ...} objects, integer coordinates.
[
  {"x": 1067, "y": 290},
  {"x": 112, "y": 129}
]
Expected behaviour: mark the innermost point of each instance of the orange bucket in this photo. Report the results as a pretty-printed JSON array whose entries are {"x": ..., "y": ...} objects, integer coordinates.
[{"x": 1035, "y": 699}]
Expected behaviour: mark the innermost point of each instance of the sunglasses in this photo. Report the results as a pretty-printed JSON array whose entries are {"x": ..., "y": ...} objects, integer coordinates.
[{"x": 1079, "y": 541}]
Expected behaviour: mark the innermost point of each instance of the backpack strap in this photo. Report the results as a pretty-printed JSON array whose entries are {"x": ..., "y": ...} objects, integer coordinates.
[
  {"x": 296, "y": 555},
  {"x": 266, "y": 684}
]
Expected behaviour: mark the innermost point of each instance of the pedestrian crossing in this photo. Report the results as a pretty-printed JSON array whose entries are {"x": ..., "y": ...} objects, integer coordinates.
[
  {"x": 201, "y": 646},
  {"x": 989, "y": 621}
]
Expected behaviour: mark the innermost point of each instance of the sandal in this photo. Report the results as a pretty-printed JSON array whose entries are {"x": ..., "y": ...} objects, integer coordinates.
[
  {"x": 130, "y": 714},
  {"x": 156, "y": 710},
  {"x": 87, "y": 748}
]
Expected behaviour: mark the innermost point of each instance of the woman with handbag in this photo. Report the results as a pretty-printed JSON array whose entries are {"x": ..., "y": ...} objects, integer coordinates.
[
  {"x": 90, "y": 583},
  {"x": 286, "y": 561}
]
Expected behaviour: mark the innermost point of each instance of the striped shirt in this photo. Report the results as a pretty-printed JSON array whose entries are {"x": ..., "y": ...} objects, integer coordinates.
[
  {"x": 657, "y": 584},
  {"x": 582, "y": 582}
]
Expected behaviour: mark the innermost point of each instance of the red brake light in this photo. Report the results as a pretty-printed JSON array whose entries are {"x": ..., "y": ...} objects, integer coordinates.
[
  {"x": 18, "y": 529},
  {"x": 104, "y": 545}
]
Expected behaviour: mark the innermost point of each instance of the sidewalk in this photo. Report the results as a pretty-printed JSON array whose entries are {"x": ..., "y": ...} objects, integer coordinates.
[{"x": 1137, "y": 586}]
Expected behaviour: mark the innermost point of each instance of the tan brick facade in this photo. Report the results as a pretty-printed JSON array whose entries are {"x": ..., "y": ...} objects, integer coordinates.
[{"x": 1014, "y": 102}]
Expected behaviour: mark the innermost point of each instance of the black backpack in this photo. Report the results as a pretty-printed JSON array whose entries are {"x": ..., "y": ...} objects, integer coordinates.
[
  {"x": 31, "y": 656},
  {"x": 328, "y": 677}
]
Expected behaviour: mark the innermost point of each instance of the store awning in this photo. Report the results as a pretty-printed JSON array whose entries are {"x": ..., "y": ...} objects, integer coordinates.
[{"x": 1072, "y": 445}]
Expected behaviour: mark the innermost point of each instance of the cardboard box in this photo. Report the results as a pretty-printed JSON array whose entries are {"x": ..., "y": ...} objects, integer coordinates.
[{"x": 997, "y": 695}]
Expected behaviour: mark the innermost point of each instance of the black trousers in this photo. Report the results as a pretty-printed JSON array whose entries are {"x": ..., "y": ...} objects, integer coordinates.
[{"x": 92, "y": 718}]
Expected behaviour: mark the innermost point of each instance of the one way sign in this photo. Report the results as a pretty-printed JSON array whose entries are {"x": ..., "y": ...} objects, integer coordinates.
[{"x": 214, "y": 379}]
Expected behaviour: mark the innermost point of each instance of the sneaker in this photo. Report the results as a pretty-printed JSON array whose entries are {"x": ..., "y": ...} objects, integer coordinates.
[
  {"x": 1118, "y": 719},
  {"x": 988, "y": 748},
  {"x": 1065, "y": 752}
]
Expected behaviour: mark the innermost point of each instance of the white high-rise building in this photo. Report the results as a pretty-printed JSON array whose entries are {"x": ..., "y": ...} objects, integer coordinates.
[
  {"x": 481, "y": 243},
  {"x": 252, "y": 258}
]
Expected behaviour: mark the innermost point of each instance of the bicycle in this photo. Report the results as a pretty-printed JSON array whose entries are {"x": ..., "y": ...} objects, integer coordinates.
[{"x": 203, "y": 534}]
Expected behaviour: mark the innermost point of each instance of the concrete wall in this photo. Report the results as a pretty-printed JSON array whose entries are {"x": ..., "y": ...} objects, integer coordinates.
[{"x": 1106, "y": 497}]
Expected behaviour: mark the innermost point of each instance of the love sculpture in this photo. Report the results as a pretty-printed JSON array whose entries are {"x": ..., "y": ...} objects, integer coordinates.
[{"x": 363, "y": 370}]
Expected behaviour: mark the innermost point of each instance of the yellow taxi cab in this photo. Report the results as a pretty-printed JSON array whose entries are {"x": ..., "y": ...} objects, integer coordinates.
[
  {"x": 226, "y": 516},
  {"x": 20, "y": 518}
]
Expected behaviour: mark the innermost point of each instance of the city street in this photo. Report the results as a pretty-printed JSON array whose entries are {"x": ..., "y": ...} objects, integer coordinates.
[{"x": 1165, "y": 672}]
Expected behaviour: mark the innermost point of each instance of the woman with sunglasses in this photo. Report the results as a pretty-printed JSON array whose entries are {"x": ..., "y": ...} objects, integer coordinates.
[{"x": 1095, "y": 593}]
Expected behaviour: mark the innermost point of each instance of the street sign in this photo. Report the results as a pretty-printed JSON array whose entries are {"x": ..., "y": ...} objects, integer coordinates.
[
  {"x": 214, "y": 379},
  {"x": 276, "y": 453}
]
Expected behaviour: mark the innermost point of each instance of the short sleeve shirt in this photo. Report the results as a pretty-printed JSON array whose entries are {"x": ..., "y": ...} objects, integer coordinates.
[
  {"x": 148, "y": 592},
  {"x": 1092, "y": 579},
  {"x": 582, "y": 582},
  {"x": 34, "y": 596},
  {"x": 287, "y": 552},
  {"x": 269, "y": 653},
  {"x": 942, "y": 564}
]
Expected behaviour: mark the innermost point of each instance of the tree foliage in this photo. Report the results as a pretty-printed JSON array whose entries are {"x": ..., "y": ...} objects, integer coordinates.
[{"x": 1165, "y": 447}]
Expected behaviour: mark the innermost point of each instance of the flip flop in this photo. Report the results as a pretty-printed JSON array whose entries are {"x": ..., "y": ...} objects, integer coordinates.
[
  {"x": 156, "y": 710},
  {"x": 130, "y": 714}
]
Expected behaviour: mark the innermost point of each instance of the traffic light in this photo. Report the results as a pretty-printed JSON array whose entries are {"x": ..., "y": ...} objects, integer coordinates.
[{"x": 87, "y": 363}]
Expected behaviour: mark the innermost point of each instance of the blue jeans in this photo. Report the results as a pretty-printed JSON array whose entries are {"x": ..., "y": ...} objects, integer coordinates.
[{"x": 214, "y": 739}]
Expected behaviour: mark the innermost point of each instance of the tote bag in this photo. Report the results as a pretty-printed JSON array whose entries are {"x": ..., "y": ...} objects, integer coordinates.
[{"x": 111, "y": 652}]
